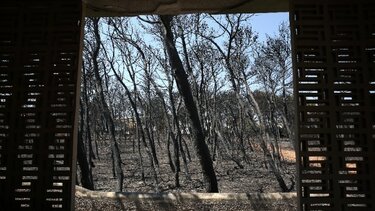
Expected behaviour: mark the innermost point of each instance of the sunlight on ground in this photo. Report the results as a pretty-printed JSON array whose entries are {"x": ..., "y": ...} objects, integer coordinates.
[{"x": 289, "y": 155}]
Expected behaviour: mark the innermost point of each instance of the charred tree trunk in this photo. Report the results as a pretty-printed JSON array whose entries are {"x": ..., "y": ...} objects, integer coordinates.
[
  {"x": 185, "y": 90},
  {"x": 105, "y": 108},
  {"x": 86, "y": 173},
  {"x": 86, "y": 118}
]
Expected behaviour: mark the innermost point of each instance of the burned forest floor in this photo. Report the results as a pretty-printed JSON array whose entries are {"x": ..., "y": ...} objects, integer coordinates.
[{"x": 251, "y": 176}]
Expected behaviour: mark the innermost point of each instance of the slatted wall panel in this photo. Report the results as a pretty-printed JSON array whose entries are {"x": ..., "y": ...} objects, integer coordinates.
[
  {"x": 39, "y": 59},
  {"x": 334, "y": 67}
]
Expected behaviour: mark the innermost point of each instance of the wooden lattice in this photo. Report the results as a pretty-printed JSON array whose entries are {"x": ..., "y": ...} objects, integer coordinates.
[
  {"x": 39, "y": 59},
  {"x": 334, "y": 67}
]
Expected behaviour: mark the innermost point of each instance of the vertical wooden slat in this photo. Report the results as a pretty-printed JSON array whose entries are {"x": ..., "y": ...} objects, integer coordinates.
[
  {"x": 334, "y": 72},
  {"x": 40, "y": 44}
]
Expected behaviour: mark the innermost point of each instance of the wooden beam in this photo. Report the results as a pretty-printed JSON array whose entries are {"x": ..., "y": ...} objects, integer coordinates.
[{"x": 162, "y": 7}]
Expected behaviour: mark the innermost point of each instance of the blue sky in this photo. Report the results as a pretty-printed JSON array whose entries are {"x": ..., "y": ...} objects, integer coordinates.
[{"x": 268, "y": 23}]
